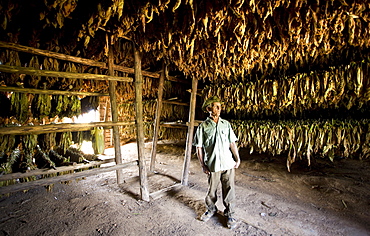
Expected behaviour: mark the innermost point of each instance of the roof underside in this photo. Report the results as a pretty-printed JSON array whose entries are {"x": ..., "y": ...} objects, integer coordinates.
[{"x": 209, "y": 39}]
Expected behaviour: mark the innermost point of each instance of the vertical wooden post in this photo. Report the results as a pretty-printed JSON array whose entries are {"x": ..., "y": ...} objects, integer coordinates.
[
  {"x": 140, "y": 125},
  {"x": 113, "y": 103},
  {"x": 189, "y": 138},
  {"x": 158, "y": 116},
  {"x": 108, "y": 132}
]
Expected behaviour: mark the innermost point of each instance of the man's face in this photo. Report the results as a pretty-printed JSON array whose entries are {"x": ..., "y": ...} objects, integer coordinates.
[{"x": 214, "y": 109}]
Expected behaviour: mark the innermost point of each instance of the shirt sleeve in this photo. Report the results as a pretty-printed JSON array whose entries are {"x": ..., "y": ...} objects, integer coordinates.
[
  {"x": 198, "y": 138},
  {"x": 232, "y": 136}
]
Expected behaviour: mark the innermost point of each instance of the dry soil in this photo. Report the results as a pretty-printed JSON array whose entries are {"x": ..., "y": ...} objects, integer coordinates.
[{"x": 324, "y": 199}]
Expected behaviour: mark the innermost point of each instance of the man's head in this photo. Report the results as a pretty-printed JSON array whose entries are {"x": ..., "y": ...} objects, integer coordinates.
[{"x": 212, "y": 106}]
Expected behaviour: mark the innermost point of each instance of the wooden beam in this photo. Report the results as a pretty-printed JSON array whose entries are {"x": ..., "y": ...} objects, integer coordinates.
[
  {"x": 70, "y": 75},
  {"x": 55, "y": 55},
  {"x": 52, "y": 92},
  {"x": 179, "y": 126},
  {"x": 83, "y": 61},
  {"x": 139, "y": 125},
  {"x": 42, "y": 182},
  {"x": 189, "y": 138},
  {"x": 52, "y": 128},
  {"x": 157, "y": 117},
  {"x": 176, "y": 103},
  {"x": 114, "y": 111},
  {"x": 19, "y": 175}
]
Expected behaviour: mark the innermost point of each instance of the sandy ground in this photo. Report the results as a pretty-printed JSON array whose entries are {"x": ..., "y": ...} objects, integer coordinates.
[{"x": 325, "y": 199}]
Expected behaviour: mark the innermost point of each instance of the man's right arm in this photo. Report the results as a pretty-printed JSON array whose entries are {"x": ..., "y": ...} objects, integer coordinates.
[{"x": 201, "y": 160}]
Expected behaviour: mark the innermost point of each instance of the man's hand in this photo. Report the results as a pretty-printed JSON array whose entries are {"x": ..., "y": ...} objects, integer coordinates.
[
  {"x": 200, "y": 157},
  {"x": 205, "y": 169},
  {"x": 237, "y": 164},
  {"x": 234, "y": 150}
]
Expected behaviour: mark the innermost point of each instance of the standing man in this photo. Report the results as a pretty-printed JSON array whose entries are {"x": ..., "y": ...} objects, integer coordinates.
[{"x": 213, "y": 140}]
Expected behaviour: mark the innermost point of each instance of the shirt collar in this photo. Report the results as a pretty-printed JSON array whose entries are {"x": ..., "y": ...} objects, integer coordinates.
[{"x": 220, "y": 120}]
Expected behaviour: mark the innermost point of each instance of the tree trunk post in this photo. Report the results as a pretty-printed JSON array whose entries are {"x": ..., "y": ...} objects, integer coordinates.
[
  {"x": 189, "y": 138},
  {"x": 158, "y": 117},
  {"x": 113, "y": 105},
  {"x": 140, "y": 125}
]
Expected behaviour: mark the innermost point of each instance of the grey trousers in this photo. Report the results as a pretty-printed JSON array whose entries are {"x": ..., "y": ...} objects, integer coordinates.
[{"x": 227, "y": 179}]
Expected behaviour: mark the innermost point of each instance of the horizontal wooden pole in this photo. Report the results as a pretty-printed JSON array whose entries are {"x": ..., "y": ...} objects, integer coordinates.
[
  {"x": 176, "y": 103},
  {"x": 42, "y": 182},
  {"x": 178, "y": 126},
  {"x": 19, "y": 175},
  {"x": 70, "y": 75},
  {"x": 63, "y": 127},
  {"x": 83, "y": 61},
  {"x": 52, "y": 92},
  {"x": 47, "y": 53}
]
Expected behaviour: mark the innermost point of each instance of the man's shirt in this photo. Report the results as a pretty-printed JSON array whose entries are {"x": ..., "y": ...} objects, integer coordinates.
[{"x": 215, "y": 140}]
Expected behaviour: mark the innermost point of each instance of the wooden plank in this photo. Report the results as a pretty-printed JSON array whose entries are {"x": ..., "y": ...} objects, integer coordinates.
[
  {"x": 114, "y": 112},
  {"x": 83, "y": 61},
  {"x": 140, "y": 126},
  {"x": 157, "y": 117},
  {"x": 59, "y": 74},
  {"x": 189, "y": 139},
  {"x": 37, "y": 172},
  {"x": 42, "y": 182},
  {"x": 52, "y": 92},
  {"x": 63, "y": 127}
]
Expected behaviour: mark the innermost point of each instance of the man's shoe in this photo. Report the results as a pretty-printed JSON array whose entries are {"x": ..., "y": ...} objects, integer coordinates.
[
  {"x": 206, "y": 216},
  {"x": 231, "y": 223}
]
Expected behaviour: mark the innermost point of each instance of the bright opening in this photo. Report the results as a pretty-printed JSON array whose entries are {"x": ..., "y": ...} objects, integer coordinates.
[{"x": 91, "y": 116}]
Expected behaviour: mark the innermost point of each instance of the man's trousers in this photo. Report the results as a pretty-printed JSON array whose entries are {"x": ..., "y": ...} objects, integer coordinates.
[{"x": 227, "y": 179}]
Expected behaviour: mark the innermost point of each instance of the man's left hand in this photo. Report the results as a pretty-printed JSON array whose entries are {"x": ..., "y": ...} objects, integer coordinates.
[{"x": 237, "y": 164}]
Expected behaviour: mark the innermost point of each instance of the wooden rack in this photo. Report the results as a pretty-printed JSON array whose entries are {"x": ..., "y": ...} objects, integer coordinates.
[
  {"x": 189, "y": 125},
  {"x": 83, "y": 61},
  {"x": 74, "y": 127}
]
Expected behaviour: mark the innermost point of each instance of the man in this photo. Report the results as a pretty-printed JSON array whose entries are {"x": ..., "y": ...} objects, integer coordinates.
[{"x": 213, "y": 140}]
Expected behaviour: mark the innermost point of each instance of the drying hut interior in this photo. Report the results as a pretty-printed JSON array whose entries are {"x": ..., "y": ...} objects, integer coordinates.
[{"x": 79, "y": 77}]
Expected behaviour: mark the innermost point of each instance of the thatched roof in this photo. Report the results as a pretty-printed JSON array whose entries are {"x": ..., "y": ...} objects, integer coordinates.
[{"x": 208, "y": 39}]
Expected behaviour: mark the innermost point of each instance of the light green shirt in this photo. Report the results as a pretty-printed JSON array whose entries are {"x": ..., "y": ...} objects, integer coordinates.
[{"x": 215, "y": 140}]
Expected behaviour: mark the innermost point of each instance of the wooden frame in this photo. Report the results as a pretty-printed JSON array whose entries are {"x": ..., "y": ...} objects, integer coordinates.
[
  {"x": 83, "y": 61},
  {"x": 22, "y": 130}
]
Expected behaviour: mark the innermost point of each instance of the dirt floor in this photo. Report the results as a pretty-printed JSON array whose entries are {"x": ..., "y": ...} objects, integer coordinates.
[{"x": 325, "y": 199}]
